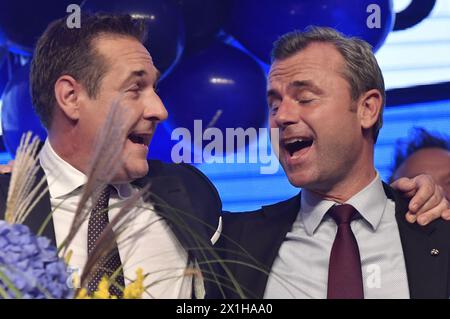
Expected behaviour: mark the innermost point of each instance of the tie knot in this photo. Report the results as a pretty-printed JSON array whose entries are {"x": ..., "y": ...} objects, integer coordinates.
[
  {"x": 343, "y": 214},
  {"x": 103, "y": 196},
  {"x": 107, "y": 190}
]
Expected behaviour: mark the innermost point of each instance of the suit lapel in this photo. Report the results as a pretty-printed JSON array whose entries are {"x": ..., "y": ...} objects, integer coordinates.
[
  {"x": 262, "y": 238},
  {"x": 40, "y": 214},
  {"x": 426, "y": 271}
]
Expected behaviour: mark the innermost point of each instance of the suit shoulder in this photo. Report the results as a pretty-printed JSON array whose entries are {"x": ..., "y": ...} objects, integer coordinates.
[
  {"x": 238, "y": 217},
  {"x": 190, "y": 175},
  {"x": 243, "y": 213},
  {"x": 5, "y": 178},
  {"x": 200, "y": 188},
  {"x": 158, "y": 168},
  {"x": 4, "y": 184}
]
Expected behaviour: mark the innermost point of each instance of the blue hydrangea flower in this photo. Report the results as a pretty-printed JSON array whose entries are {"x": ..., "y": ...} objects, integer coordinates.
[{"x": 31, "y": 265}]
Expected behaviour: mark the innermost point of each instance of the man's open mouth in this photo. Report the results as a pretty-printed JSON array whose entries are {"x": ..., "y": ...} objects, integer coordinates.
[
  {"x": 297, "y": 144},
  {"x": 142, "y": 139}
]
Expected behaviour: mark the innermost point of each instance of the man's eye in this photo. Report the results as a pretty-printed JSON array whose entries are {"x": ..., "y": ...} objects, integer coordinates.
[
  {"x": 304, "y": 101},
  {"x": 135, "y": 90},
  {"x": 273, "y": 107}
]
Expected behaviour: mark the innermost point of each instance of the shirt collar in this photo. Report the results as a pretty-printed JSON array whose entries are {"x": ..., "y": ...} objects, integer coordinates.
[
  {"x": 63, "y": 178},
  {"x": 370, "y": 203}
]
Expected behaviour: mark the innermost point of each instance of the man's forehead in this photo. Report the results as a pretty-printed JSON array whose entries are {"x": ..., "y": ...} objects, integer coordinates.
[
  {"x": 122, "y": 48},
  {"x": 289, "y": 73},
  {"x": 312, "y": 60}
]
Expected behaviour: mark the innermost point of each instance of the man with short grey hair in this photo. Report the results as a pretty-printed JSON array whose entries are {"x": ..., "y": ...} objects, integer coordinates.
[
  {"x": 345, "y": 234},
  {"x": 360, "y": 69}
]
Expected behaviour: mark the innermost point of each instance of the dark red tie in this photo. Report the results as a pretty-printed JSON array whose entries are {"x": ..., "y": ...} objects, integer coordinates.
[{"x": 344, "y": 272}]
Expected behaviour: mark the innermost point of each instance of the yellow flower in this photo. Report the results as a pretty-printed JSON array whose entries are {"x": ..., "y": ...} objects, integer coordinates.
[
  {"x": 82, "y": 294},
  {"x": 136, "y": 288},
  {"x": 102, "y": 290},
  {"x": 132, "y": 291}
]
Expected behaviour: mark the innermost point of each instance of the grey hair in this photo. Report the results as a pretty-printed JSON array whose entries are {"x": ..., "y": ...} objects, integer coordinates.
[{"x": 361, "y": 68}]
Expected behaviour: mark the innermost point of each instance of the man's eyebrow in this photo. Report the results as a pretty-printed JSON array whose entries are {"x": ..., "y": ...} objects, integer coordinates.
[
  {"x": 305, "y": 84},
  {"x": 134, "y": 74}
]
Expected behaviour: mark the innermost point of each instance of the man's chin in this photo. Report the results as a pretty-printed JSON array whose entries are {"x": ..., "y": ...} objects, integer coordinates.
[
  {"x": 132, "y": 171},
  {"x": 300, "y": 180},
  {"x": 138, "y": 171}
]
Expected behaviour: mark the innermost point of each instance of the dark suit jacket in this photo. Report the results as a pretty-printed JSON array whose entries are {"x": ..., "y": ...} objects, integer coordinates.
[
  {"x": 252, "y": 240},
  {"x": 181, "y": 194}
]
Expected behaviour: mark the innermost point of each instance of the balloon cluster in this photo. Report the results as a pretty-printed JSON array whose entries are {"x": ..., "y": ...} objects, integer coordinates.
[{"x": 212, "y": 54}]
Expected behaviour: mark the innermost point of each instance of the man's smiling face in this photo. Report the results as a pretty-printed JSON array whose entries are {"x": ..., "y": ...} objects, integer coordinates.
[
  {"x": 132, "y": 77},
  {"x": 310, "y": 103}
]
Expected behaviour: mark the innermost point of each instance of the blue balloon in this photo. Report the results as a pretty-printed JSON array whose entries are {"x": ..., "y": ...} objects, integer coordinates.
[
  {"x": 203, "y": 19},
  {"x": 258, "y": 23},
  {"x": 22, "y": 22},
  {"x": 18, "y": 115},
  {"x": 221, "y": 83},
  {"x": 164, "y": 21}
]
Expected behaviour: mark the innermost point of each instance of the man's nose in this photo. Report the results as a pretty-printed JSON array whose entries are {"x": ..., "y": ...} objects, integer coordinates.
[
  {"x": 155, "y": 110},
  {"x": 287, "y": 114}
]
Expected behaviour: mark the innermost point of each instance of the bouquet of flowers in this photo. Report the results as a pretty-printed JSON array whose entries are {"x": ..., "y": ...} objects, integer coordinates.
[{"x": 29, "y": 265}]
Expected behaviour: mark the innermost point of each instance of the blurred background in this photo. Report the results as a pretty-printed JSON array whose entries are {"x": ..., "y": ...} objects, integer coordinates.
[{"x": 214, "y": 57}]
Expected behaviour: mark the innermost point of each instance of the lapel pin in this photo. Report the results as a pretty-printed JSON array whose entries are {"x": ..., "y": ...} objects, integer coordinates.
[{"x": 434, "y": 252}]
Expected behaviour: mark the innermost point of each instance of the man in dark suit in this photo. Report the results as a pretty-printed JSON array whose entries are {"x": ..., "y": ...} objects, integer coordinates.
[
  {"x": 76, "y": 76},
  {"x": 345, "y": 234}
]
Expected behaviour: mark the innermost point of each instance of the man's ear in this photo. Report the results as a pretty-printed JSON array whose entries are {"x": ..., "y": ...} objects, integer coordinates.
[
  {"x": 67, "y": 94},
  {"x": 369, "y": 108}
]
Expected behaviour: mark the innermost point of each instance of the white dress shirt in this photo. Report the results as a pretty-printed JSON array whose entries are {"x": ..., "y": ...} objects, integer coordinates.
[
  {"x": 152, "y": 247},
  {"x": 301, "y": 267}
]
